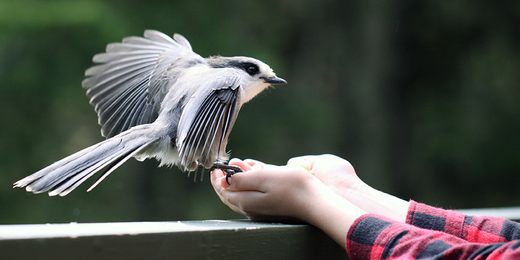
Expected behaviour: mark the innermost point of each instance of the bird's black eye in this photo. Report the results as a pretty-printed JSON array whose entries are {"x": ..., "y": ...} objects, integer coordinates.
[{"x": 251, "y": 69}]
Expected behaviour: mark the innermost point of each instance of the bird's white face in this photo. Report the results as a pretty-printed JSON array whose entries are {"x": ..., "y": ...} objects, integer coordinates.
[{"x": 256, "y": 76}]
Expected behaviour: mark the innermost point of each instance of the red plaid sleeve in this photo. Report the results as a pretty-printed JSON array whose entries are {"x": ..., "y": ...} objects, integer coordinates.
[
  {"x": 438, "y": 234},
  {"x": 472, "y": 229}
]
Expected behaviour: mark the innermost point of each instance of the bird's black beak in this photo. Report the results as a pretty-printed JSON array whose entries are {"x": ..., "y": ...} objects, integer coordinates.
[{"x": 274, "y": 80}]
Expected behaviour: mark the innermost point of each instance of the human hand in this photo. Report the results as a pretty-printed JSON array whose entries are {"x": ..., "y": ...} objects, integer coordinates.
[
  {"x": 339, "y": 175},
  {"x": 265, "y": 191},
  {"x": 335, "y": 172}
]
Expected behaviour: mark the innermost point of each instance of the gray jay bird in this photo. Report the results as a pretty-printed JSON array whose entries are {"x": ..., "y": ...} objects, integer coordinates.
[{"x": 155, "y": 97}]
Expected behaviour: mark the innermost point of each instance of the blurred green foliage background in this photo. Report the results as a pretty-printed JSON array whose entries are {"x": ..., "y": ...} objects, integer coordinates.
[{"x": 422, "y": 97}]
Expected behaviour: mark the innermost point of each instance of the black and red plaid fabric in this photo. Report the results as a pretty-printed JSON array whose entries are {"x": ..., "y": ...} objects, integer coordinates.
[{"x": 433, "y": 233}]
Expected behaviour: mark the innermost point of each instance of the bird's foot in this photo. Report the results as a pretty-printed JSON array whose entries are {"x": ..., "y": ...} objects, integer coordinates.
[{"x": 229, "y": 169}]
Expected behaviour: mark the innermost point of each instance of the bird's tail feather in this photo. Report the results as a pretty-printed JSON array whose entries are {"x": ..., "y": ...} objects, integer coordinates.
[{"x": 63, "y": 176}]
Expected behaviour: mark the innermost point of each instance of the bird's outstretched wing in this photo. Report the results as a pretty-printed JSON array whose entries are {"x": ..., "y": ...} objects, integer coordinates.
[
  {"x": 207, "y": 120},
  {"x": 128, "y": 88}
]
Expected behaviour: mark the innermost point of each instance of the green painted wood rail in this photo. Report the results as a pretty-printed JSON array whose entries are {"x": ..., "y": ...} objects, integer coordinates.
[{"x": 209, "y": 239}]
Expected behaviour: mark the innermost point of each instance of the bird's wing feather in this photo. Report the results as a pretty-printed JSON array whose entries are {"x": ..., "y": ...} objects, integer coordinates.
[
  {"x": 207, "y": 120},
  {"x": 128, "y": 88}
]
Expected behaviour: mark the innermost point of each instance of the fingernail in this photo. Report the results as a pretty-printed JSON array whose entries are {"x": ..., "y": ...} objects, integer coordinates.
[{"x": 224, "y": 183}]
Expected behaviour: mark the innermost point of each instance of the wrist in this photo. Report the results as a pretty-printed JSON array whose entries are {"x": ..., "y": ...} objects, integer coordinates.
[
  {"x": 333, "y": 214},
  {"x": 377, "y": 202}
]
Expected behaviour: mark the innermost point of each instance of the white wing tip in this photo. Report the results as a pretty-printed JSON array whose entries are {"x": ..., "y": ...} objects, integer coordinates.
[{"x": 182, "y": 41}]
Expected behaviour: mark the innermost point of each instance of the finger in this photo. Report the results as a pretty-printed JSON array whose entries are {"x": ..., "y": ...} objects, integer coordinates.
[
  {"x": 258, "y": 180},
  {"x": 309, "y": 158},
  {"x": 246, "y": 181},
  {"x": 215, "y": 177},
  {"x": 304, "y": 162},
  {"x": 219, "y": 185},
  {"x": 237, "y": 162},
  {"x": 257, "y": 165},
  {"x": 239, "y": 201},
  {"x": 248, "y": 164},
  {"x": 231, "y": 199}
]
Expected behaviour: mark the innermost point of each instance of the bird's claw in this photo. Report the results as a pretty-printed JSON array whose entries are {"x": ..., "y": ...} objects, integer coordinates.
[{"x": 229, "y": 169}]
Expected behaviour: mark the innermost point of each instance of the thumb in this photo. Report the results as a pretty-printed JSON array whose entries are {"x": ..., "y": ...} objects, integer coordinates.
[{"x": 245, "y": 181}]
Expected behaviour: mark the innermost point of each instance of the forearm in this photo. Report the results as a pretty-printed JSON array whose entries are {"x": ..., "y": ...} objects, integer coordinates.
[
  {"x": 376, "y": 202},
  {"x": 333, "y": 215}
]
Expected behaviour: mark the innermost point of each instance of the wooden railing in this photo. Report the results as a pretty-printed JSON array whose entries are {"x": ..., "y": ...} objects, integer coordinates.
[
  {"x": 209, "y": 239},
  {"x": 512, "y": 213}
]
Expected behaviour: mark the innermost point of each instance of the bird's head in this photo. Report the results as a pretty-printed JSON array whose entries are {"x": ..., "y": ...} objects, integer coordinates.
[{"x": 256, "y": 75}]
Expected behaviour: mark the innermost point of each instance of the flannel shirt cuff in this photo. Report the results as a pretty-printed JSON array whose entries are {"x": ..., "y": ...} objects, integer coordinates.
[
  {"x": 432, "y": 218},
  {"x": 369, "y": 235}
]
